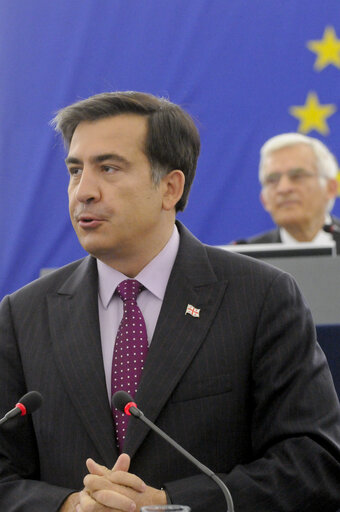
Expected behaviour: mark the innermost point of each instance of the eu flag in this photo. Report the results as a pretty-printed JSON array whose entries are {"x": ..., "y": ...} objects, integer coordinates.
[{"x": 245, "y": 70}]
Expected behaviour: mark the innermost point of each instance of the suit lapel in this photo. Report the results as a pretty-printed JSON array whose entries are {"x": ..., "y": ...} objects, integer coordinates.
[
  {"x": 73, "y": 316},
  {"x": 178, "y": 335}
]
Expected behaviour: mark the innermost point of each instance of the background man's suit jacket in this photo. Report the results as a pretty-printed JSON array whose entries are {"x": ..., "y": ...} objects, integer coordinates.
[
  {"x": 273, "y": 237},
  {"x": 244, "y": 387}
]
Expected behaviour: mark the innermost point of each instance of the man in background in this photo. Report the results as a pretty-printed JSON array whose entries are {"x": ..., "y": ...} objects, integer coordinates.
[
  {"x": 299, "y": 186},
  {"x": 230, "y": 364}
]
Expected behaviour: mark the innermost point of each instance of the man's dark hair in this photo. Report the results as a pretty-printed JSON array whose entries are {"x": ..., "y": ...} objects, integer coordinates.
[{"x": 172, "y": 140}]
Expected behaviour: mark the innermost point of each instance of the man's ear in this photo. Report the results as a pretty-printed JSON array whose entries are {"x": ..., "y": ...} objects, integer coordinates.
[
  {"x": 173, "y": 186},
  {"x": 332, "y": 187}
]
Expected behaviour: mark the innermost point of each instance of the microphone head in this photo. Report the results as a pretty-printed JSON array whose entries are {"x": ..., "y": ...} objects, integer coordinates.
[
  {"x": 31, "y": 401},
  {"x": 120, "y": 399},
  {"x": 331, "y": 228}
]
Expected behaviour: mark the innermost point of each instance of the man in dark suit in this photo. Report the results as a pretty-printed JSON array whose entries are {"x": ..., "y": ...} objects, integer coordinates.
[
  {"x": 233, "y": 370},
  {"x": 299, "y": 186}
]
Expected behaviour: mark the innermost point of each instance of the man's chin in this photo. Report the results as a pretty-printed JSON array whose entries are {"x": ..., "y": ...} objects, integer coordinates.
[
  {"x": 95, "y": 251},
  {"x": 93, "y": 247},
  {"x": 290, "y": 224},
  {"x": 288, "y": 218}
]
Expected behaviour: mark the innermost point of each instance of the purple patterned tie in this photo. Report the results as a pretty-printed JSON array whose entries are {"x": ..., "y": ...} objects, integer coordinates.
[{"x": 130, "y": 351}]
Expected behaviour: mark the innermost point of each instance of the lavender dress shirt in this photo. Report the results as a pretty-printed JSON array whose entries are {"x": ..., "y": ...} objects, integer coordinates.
[{"x": 154, "y": 277}]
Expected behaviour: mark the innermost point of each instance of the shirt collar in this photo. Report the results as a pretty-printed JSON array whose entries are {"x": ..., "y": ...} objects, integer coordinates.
[{"x": 154, "y": 276}]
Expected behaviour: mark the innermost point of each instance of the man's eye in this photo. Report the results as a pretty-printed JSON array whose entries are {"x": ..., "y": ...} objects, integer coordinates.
[
  {"x": 272, "y": 179},
  {"x": 74, "y": 171},
  {"x": 298, "y": 174},
  {"x": 108, "y": 168}
]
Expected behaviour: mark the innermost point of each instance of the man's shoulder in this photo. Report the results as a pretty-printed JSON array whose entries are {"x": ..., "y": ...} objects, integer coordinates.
[
  {"x": 199, "y": 264},
  {"x": 50, "y": 282},
  {"x": 221, "y": 260},
  {"x": 267, "y": 237},
  {"x": 235, "y": 263},
  {"x": 222, "y": 264}
]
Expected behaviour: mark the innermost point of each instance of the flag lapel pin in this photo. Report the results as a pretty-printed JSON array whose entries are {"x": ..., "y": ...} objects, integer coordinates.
[{"x": 191, "y": 310}]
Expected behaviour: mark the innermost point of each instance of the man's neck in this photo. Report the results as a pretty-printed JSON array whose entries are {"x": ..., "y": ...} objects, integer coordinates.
[
  {"x": 132, "y": 263},
  {"x": 305, "y": 232}
]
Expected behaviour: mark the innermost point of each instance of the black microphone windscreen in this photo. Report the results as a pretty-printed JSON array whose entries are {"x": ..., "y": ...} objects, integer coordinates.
[
  {"x": 332, "y": 228},
  {"x": 120, "y": 399},
  {"x": 32, "y": 401}
]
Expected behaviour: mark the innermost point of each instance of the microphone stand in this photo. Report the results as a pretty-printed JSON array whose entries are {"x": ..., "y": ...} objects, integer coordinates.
[{"x": 137, "y": 413}]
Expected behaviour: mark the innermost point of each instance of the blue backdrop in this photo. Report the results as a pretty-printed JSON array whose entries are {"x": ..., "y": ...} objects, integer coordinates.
[{"x": 246, "y": 70}]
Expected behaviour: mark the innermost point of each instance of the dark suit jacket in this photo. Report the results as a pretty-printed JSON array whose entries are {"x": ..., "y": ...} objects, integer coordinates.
[
  {"x": 244, "y": 387},
  {"x": 273, "y": 236}
]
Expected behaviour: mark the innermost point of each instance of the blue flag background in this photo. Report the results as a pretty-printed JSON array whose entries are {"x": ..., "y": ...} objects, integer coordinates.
[{"x": 246, "y": 70}]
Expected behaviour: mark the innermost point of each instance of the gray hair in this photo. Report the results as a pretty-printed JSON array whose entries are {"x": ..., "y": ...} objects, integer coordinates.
[{"x": 326, "y": 162}]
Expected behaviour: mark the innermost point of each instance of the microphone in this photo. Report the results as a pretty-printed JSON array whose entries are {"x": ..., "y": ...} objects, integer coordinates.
[
  {"x": 124, "y": 403},
  {"x": 331, "y": 228},
  {"x": 26, "y": 405}
]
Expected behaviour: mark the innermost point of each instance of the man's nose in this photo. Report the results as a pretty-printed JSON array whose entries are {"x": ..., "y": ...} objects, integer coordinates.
[{"x": 88, "y": 189}]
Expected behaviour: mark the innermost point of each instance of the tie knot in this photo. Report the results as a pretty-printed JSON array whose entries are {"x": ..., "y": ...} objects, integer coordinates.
[{"x": 129, "y": 289}]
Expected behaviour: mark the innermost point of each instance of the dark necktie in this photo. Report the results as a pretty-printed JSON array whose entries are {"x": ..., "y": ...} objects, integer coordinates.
[{"x": 130, "y": 351}]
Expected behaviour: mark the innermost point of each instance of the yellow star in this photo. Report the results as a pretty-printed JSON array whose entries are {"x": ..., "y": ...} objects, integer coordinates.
[
  {"x": 312, "y": 115},
  {"x": 327, "y": 49}
]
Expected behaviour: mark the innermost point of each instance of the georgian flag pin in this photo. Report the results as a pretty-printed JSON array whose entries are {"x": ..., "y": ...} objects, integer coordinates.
[{"x": 191, "y": 310}]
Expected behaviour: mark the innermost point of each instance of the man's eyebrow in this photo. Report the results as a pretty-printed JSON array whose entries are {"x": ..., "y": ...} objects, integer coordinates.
[
  {"x": 98, "y": 159},
  {"x": 72, "y": 160},
  {"x": 108, "y": 156}
]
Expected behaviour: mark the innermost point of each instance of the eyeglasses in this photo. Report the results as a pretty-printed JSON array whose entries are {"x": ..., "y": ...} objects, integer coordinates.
[{"x": 295, "y": 176}]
